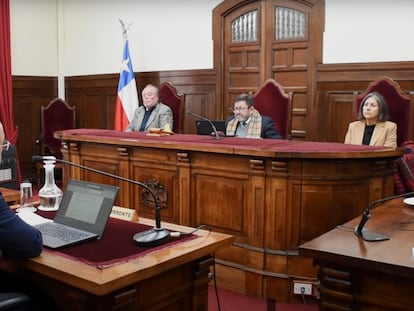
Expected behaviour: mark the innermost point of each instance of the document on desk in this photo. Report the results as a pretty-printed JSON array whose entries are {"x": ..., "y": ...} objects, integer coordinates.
[{"x": 32, "y": 219}]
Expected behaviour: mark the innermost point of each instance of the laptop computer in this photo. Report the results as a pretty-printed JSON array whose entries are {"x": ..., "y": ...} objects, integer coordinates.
[
  {"x": 203, "y": 127},
  {"x": 82, "y": 215}
]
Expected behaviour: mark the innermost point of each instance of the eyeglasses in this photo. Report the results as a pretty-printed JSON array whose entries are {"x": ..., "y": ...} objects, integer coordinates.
[
  {"x": 240, "y": 109},
  {"x": 5, "y": 146}
]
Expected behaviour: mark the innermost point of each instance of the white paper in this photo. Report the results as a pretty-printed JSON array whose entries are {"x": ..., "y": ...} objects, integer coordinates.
[{"x": 32, "y": 219}]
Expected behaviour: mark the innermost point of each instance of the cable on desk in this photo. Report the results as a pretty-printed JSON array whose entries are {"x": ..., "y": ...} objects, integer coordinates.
[{"x": 179, "y": 234}]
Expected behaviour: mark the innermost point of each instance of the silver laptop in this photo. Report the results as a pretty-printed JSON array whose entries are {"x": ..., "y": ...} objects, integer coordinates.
[{"x": 82, "y": 215}]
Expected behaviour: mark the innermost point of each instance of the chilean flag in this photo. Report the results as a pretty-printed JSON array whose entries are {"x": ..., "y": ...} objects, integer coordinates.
[{"x": 127, "y": 99}]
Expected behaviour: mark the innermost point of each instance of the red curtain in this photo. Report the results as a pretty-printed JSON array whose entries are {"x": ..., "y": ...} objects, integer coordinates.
[
  {"x": 6, "y": 98},
  {"x": 6, "y": 103}
]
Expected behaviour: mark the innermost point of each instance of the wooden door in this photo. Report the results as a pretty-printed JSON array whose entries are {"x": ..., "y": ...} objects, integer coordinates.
[{"x": 258, "y": 40}]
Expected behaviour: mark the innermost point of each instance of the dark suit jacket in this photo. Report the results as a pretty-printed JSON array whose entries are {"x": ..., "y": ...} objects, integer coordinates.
[{"x": 268, "y": 128}]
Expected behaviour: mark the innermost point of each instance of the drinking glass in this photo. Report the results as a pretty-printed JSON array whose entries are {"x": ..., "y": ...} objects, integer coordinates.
[{"x": 26, "y": 198}]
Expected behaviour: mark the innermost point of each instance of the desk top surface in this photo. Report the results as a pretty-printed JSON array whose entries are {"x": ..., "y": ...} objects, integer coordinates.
[
  {"x": 103, "y": 281},
  {"x": 339, "y": 245},
  {"x": 10, "y": 195},
  {"x": 275, "y": 148}
]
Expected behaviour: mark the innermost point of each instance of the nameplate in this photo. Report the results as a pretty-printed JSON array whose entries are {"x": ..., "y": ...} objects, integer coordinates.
[{"x": 124, "y": 213}]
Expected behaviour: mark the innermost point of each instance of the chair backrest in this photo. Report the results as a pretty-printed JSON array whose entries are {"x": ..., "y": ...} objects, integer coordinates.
[
  {"x": 176, "y": 101},
  {"x": 8, "y": 169},
  {"x": 271, "y": 100},
  {"x": 398, "y": 104},
  {"x": 56, "y": 116}
]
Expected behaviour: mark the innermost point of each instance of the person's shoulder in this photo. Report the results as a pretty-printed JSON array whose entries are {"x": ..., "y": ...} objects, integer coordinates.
[
  {"x": 390, "y": 124},
  {"x": 163, "y": 106},
  {"x": 387, "y": 124},
  {"x": 356, "y": 123},
  {"x": 266, "y": 119}
]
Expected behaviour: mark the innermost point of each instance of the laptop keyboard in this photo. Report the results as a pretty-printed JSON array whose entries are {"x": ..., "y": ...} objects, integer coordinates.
[{"x": 61, "y": 232}]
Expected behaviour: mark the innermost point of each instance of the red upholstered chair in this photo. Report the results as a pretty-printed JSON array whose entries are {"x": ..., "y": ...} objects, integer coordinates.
[
  {"x": 271, "y": 100},
  {"x": 56, "y": 116},
  {"x": 176, "y": 101},
  {"x": 399, "y": 105}
]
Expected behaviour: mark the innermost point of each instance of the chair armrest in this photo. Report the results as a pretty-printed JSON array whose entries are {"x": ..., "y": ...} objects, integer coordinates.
[{"x": 15, "y": 301}]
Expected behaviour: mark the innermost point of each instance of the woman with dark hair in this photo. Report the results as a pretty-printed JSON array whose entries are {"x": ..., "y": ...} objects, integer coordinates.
[{"x": 372, "y": 127}]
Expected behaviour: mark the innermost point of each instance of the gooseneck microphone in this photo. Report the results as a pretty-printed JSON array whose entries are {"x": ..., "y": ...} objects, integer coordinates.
[
  {"x": 375, "y": 236},
  {"x": 152, "y": 237},
  {"x": 216, "y": 134}
]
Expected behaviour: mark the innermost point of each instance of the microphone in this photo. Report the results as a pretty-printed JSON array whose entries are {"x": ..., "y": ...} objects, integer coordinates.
[
  {"x": 152, "y": 237},
  {"x": 375, "y": 236},
  {"x": 217, "y": 136}
]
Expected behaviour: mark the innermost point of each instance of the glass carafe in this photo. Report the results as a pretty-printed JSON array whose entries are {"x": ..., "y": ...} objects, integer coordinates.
[{"x": 49, "y": 195}]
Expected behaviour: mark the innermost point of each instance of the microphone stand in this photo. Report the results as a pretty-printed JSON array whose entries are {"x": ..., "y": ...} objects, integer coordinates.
[
  {"x": 371, "y": 236},
  {"x": 216, "y": 134},
  {"x": 149, "y": 238}
]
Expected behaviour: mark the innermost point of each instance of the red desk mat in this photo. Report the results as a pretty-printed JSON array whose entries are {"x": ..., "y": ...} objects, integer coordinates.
[
  {"x": 116, "y": 245},
  {"x": 231, "y": 142}
]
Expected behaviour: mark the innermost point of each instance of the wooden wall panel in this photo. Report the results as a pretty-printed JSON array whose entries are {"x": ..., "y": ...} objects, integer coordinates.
[
  {"x": 198, "y": 87},
  {"x": 331, "y": 110},
  {"x": 290, "y": 60},
  {"x": 29, "y": 94},
  {"x": 94, "y": 97},
  {"x": 324, "y": 118}
]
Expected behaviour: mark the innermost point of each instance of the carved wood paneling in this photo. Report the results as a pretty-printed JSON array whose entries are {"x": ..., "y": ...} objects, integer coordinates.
[
  {"x": 29, "y": 94},
  {"x": 271, "y": 204},
  {"x": 287, "y": 48},
  {"x": 326, "y": 117},
  {"x": 332, "y": 109}
]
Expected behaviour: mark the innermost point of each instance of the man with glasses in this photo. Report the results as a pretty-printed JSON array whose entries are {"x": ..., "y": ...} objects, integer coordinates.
[{"x": 247, "y": 121}]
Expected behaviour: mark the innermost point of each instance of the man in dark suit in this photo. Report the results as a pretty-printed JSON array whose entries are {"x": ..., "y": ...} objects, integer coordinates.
[{"x": 247, "y": 121}]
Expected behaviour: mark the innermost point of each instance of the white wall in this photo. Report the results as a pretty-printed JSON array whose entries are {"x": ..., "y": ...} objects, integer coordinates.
[
  {"x": 81, "y": 37},
  {"x": 164, "y": 35},
  {"x": 33, "y": 26},
  {"x": 368, "y": 31}
]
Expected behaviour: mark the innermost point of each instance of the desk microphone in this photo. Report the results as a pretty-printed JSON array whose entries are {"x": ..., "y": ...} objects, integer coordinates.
[
  {"x": 375, "y": 236},
  {"x": 152, "y": 237},
  {"x": 216, "y": 133}
]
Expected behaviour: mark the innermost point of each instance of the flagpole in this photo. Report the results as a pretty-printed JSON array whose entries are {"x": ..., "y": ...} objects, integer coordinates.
[
  {"x": 124, "y": 29},
  {"x": 127, "y": 97}
]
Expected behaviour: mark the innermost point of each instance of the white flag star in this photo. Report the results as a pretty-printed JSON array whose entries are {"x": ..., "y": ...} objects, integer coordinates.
[{"x": 124, "y": 65}]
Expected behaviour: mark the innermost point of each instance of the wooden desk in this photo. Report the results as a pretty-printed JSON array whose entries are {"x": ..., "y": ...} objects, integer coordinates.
[
  {"x": 10, "y": 195},
  {"x": 359, "y": 275},
  {"x": 272, "y": 195},
  {"x": 173, "y": 278}
]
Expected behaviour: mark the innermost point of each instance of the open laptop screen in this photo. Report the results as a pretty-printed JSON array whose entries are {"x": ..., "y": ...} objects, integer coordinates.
[
  {"x": 86, "y": 205},
  {"x": 203, "y": 127}
]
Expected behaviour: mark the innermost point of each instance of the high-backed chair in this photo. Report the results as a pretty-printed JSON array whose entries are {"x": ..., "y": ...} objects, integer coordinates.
[
  {"x": 398, "y": 105},
  {"x": 8, "y": 169},
  {"x": 56, "y": 116},
  {"x": 176, "y": 101},
  {"x": 272, "y": 100}
]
